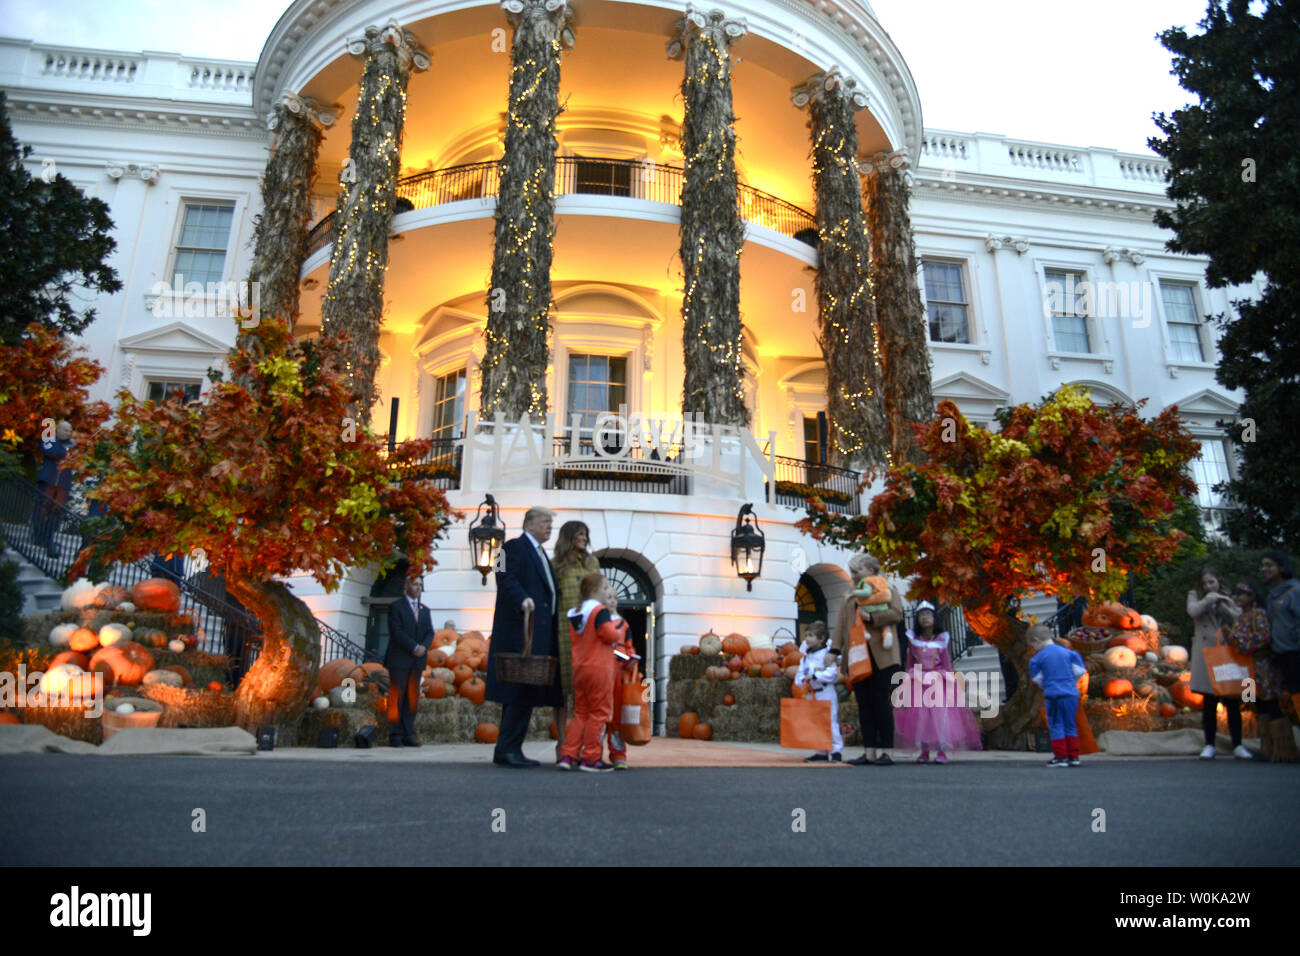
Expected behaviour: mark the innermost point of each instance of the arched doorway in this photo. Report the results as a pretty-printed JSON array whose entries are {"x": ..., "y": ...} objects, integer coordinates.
[
  {"x": 636, "y": 602},
  {"x": 811, "y": 603}
]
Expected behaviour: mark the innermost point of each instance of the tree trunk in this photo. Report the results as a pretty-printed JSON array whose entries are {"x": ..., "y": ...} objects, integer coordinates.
[
  {"x": 712, "y": 233},
  {"x": 846, "y": 313},
  {"x": 279, "y": 684},
  {"x": 1013, "y": 727},
  {"x": 517, "y": 337},
  {"x": 903, "y": 331},
  {"x": 353, "y": 308}
]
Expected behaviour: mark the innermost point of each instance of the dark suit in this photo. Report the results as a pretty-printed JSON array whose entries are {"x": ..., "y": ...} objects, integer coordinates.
[
  {"x": 55, "y": 483},
  {"x": 404, "y": 667},
  {"x": 525, "y": 576}
]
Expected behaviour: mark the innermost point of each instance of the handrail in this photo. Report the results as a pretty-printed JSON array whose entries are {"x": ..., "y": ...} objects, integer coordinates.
[{"x": 629, "y": 178}]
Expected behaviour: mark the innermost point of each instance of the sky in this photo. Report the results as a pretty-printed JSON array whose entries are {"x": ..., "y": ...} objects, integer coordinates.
[{"x": 1058, "y": 71}]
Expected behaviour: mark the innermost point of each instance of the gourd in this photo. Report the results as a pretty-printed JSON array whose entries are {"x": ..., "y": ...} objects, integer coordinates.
[
  {"x": 710, "y": 643},
  {"x": 110, "y": 634},
  {"x": 60, "y": 633},
  {"x": 791, "y": 671},
  {"x": 486, "y": 733},
  {"x": 692, "y": 649},
  {"x": 728, "y": 699},
  {"x": 169, "y": 678},
  {"x": 125, "y": 663},
  {"x": 1168, "y": 710},
  {"x": 1174, "y": 653},
  {"x": 1120, "y": 658},
  {"x": 717, "y": 672},
  {"x": 321, "y": 703},
  {"x": 435, "y": 689},
  {"x": 736, "y": 663},
  {"x": 1146, "y": 689},
  {"x": 110, "y": 596},
  {"x": 83, "y": 639},
  {"x": 702, "y": 732},
  {"x": 444, "y": 674},
  {"x": 474, "y": 690},
  {"x": 1118, "y": 687},
  {"x": 156, "y": 594},
  {"x": 735, "y": 644},
  {"x": 686, "y": 724},
  {"x": 186, "y": 679},
  {"x": 176, "y": 646},
  {"x": 152, "y": 638},
  {"x": 216, "y": 686}
]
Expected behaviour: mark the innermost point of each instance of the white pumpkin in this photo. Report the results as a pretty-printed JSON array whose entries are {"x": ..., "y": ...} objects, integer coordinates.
[
  {"x": 1151, "y": 656},
  {"x": 1120, "y": 658},
  {"x": 1174, "y": 653},
  {"x": 176, "y": 646},
  {"x": 444, "y": 674},
  {"x": 79, "y": 594},
  {"x": 760, "y": 642},
  {"x": 1149, "y": 623},
  {"x": 124, "y": 709},
  {"x": 321, "y": 703},
  {"x": 58, "y": 680},
  {"x": 710, "y": 644},
  {"x": 60, "y": 634},
  {"x": 126, "y": 607},
  {"x": 110, "y": 634},
  {"x": 337, "y": 699},
  {"x": 169, "y": 678}
]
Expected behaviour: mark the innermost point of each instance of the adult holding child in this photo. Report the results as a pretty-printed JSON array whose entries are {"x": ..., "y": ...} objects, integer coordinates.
[
  {"x": 526, "y": 589},
  {"x": 573, "y": 562},
  {"x": 1211, "y": 607},
  {"x": 875, "y": 709}
]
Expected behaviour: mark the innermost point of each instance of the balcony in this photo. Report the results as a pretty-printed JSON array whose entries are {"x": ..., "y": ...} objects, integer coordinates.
[
  {"x": 797, "y": 480},
  {"x": 648, "y": 181}
]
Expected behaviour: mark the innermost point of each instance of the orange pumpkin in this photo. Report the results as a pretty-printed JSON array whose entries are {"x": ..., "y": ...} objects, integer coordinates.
[
  {"x": 152, "y": 638},
  {"x": 179, "y": 623},
  {"x": 472, "y": 644},
  {"x": 759, "y": 656},
  {"x": 462, "y": 672},
  {"x": 70, "y": 657},
  {"x": 754, "y": 670},
  {"x": 473, "y": 689},
  {"x": 331, "y": 674},
  {"x": 736, "y": 675},
  {"x": 435, "y": 689},
  {"x": 686, "y": 724},
  {"x": 735, "y": 644},
  {"x": 216, "y": 686},
  {"x": 692, "y": 650},
  {"x": 770, "y": 669},
  {"x": 124, "y": 663},
  {"x": 445, "y": 636},
  {"x": 728, "y": 699},
  {"x": 438, "y": 657},
  {"x": 790, "y": 671},
  {"x": 457, "y": 659},
  {"x": 792, "y": 659},
  {"x": 83, "y": 639},
  {"x": 178, "y": 669},
  {"x": 8, "y": 718},
  {"x": 1168, "y": 710},
  {"x": 486, "y": 733},
  {"x": 156, "y": 594},
  {"x": 111, "y": 596},
  {"x": 1113, "y": 615},
  {"x": 702, "y": 732},
  {"x": 735, "y": 663},
  {"x": 477, "y": 662},
  {"x": 1184, "y": 696},
  {"x": 787, "y": 648},
  {"x": 1118, "y": 687}
]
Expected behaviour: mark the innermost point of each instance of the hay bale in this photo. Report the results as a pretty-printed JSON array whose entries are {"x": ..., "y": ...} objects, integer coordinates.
[
  {"x": 687, "y": 667},
  {"x": 190, "y": 707},
  {"x": 70, "y": 722}
]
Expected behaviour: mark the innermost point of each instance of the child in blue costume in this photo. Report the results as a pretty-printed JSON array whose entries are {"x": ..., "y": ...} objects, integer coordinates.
[{"x": 1057, "y": 670}]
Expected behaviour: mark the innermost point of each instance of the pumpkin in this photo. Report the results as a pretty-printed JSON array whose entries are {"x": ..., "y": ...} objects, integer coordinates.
[
  {"x": 702, "y": 732},
  {"x": 125, "y": 663},
  {"x": 176, "y": 646},
  {"x": 457, "y": 659},
  {"x": 216, "y": 686},
  {"x": 321, "y": 703},
  {"x": 735, "y": 663},
  {"x": 435, "y": 689},
  {"x": 758, "y": 641},
  {"x": 737, "y": 675},
  {"x": 759, "y": 657},
  {"x": 1184, "y": 696},
  {"x": 735, "y": 644},
  {"x": 791, "y": 671},
  {"x": 1174, "y": 653},
  {"x": 110, "y": 634},
  {"x": 152, "y": 638},
  {"x": 473, "y": 689},
  {"x": 111, "y": 596},
  {"x": 83, "y": 639},
  {"x": 61, "y": 633},
  {"x": 717, "y": 672},
  {"x": 1113, "y": 615},
  {"x": 444, "y": 674},
  {"x": 792, "y": 659},
  {"x": 1168, "y": 710},
  {"x": 692, "y": 650},
  {"x": 169, "y": 678},
  {"x": 786, "y": 648},
  {"x": 178, "y": 622},
  {"x": 8, "y": 718},
  {"x": 438, "y": 657},
  {"x": 486, "y": 733},
  {"x": 461, "y": 673},
  {"x": 83, "y": 685},
  {"x": 1146, "y": 689},
  {"x": 1118, "y": 687},
  {"x": 57, "y": 681},
  {"x": 686, "y": 724},
  {"x": 770, "y": 669},
  {"x": 444, "y": 637},
  {"x": 1120, "y": 658},
  {"x": 156, "y": 594},
  {"x": 477, "y": 662},
  {"x": 78, "y": 595},
  {"x": 710, "y": 643},
  {"x": 472, "y": 644},
  {"x": 728, "y": 699},
  {"x": 332, "y": 673},
  {"x": 186, "y": 679},
  {"x": 70, "y": 657},
  {"x": 754, "y": 670}
]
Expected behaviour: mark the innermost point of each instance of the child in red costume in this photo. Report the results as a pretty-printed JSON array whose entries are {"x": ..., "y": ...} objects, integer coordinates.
[
  {"x": 622, "y": 673},
  {"x": 593, "y": 631}
]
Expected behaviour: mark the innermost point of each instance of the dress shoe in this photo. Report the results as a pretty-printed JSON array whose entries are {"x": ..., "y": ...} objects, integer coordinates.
[
  {"x": 514, "y": 760},
  {"x": 884, "y": 760},
  {"x": 863, "y": 761},
  {"x": 413, "y": 742}
]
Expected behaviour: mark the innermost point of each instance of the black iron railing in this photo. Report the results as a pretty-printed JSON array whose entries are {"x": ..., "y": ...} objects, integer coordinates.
[
  {"x": 797, "y": 480},
  {"x": 951, "y": 619},
  {"x": 440, "y": 466},
  {"x": 601, "y": 177},
  {"x": 637, "y": 470}
]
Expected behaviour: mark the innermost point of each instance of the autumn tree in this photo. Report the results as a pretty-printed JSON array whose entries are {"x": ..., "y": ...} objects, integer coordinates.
[
  {"x": 268, "y": 476},
  {"x": 1067, "y": 499},
  {"x": 1235, "y": 181}
]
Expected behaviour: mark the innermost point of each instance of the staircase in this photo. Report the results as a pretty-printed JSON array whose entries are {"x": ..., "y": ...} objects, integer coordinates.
[
  {"x": 981, "y": 663},
  {"x": 40, "y": 593}
]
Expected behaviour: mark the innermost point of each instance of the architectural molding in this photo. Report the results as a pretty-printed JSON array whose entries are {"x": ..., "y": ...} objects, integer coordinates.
[
  {"x": 306, "y": 107},
  {"x": 560, "y": 11},
  {"x": 403, "y": 42},
  {"x": 819, "y": 84},
  {"x": 1004, "y": 193},
  {"x": 993, "y": 243},
  {"x": 1110, "y": 254},
  {"x": 217, "y": 122},
  {"x": 693, "y": 21},
  {"x": 146, "y": 172}
]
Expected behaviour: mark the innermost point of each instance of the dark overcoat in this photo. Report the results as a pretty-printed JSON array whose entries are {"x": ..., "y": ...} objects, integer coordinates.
[{"x": 524, "y": 577}]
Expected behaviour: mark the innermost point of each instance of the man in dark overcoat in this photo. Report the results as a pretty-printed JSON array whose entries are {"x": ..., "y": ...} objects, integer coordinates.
[{"x": 526, "y": 583}]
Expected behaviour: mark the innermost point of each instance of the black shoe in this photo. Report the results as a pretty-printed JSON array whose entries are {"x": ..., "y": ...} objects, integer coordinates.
[
  {"x": 513, "y": 760},
  {"x": 883, "y": 760},
  {"x": 394, "y": 741},
  {"x": 413, "y": 742},
  {"x": 837, "y": 758},
  {"x": 815, "y": 758},
  {"x": 863, "y": 761}
]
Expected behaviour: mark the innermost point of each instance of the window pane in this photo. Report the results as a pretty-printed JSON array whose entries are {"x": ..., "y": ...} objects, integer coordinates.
[
  {"x": 1209, "y": 470},
  {"x": 1071, "y": 333},
  {"x": 1185, "y": 342}
]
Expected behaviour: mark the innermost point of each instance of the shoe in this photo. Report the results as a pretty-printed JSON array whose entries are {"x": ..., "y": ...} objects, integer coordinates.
[
  {"x": 620, "y": 765},
  {"x": 1241, "y": 753},
  {"x": 863, "y": 761},
  {"x": 883, "y": 760},
  {"x": 413, "y": 742},
  {"x": 942, "y": 758},
  {"x": 566, "y": 763},
  {"x": 513, "y": 760},
  {"x": 1076, "y": 762},
  {"x": 1208, "y": 752},
  {"x": 394, "y": 741},
  {"x": 595, "y": 766},
  {"x": 1058, "y": 762},
  {"x": 924, "y": 758},
  {"x": 837, "y": 758},
  {"x": 815, "y": 758}
]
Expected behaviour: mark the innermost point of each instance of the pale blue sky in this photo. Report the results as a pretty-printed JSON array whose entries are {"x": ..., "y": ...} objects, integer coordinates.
[{"x": 1060, "y": 71}]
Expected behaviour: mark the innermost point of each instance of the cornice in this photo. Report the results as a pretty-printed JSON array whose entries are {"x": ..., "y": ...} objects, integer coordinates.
[
  {"x": 931, "y": 184},
  {"x": 146, "y": 114}
]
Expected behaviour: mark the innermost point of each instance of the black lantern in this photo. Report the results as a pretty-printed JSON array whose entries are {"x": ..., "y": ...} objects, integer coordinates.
[
  {"x": 487, "y": 535},
  {"x": 747, "y": 546}
]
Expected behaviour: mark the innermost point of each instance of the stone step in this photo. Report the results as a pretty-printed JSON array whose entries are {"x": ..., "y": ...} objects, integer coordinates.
[{"x": 40, "y": 592}]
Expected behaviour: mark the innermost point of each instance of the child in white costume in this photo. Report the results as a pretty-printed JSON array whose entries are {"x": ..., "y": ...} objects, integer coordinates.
[{"x": 818, "y": 673}]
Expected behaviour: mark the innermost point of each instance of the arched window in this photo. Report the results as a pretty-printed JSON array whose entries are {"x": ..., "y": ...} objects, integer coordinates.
[{"x": 810, "y": 600}]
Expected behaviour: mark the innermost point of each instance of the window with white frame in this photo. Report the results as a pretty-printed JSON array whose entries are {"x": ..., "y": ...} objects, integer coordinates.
[
  {"x": 1069, "y": 321},
  {"x": 1183, "y": 322},
  {"x": 597, "y": 383},
  {"x": 160, "y": 391},
  {"x": 204, "y": 239},
  {"x": 448, "y": 405},
  {"x": 945, "y": 301},
  {"x": 1209, "y": 470}
]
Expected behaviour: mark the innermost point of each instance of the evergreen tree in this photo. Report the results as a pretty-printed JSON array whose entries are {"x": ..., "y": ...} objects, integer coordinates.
[
  {"x": 1235, "y": 179},
  {"x": 53, "y": 237}
]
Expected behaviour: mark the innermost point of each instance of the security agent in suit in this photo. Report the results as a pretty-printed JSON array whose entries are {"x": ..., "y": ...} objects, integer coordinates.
[
  {"x": 410, "y": 631},
  {"x": 526, "y": 584},
  {"x": 55, "y": 484}
]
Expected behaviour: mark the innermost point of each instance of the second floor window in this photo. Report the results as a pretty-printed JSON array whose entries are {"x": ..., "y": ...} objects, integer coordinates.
[
  {"x": 597, "y": 383},
  {"x": 162, "y": 391},
  {"x": 201, "y": 248},
  {"x": 1183, "y": 322},
  {"x": 448, "y": 406},
  {"x": 945, "y": 302},
  {"x": 604, "y": 176},
  {"x": 1209, "y": 470},
  {"x": 1069, "y": 322}
]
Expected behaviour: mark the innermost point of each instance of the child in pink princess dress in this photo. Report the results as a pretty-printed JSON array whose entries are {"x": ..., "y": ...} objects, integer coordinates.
[{"x": 930, "y": 705}]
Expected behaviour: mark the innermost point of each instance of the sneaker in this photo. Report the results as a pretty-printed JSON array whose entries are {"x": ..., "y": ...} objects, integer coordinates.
[
  {"x": 884, "y": 760},
  {"x": 815, "y": 758},
  {"x": 924, "y": 758},
  {"x": 595, "y": 766},
  {"x": 1076, "y": 762},
  {"x": 1208, "y": 752},
  {"x": 837, "y": 758},
  {"x": 1241, "y": 753},
  {"x": 620, "y": 765},
  {"x": 565, "y": 763},
  {"x": 942, "y": 758},
  {"x": 1058, "y": 762},
  {"x": 863, "y": 761}
]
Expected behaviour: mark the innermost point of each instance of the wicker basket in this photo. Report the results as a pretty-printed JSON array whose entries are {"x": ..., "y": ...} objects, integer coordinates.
[
  {"x": 527, "y": 668},
  {"x": 145, "y": 717}
]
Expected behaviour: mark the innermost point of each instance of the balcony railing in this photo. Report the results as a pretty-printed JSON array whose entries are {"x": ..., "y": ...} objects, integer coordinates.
[
  {"x": 635, "y": 472},
  {"x": 440, "y": 466},
  {"x": 598, "y": 177},
  {"x": 797, "y": 480}
]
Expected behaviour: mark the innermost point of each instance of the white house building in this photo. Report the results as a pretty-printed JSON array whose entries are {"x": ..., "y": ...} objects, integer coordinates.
[{"x": 1039, "y": 265}]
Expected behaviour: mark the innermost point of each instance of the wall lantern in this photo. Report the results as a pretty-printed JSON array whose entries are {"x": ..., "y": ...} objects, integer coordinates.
[
  {"x": 747, "y": 546},
  {"x": 487, "y": 535}
]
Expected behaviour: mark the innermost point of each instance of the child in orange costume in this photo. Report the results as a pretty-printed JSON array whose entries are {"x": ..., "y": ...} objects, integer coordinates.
[{"x": 593, "y": 631}]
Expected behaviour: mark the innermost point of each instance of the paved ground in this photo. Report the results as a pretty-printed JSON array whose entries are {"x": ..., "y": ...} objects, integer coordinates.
[{"x": 296, "y": 808}]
